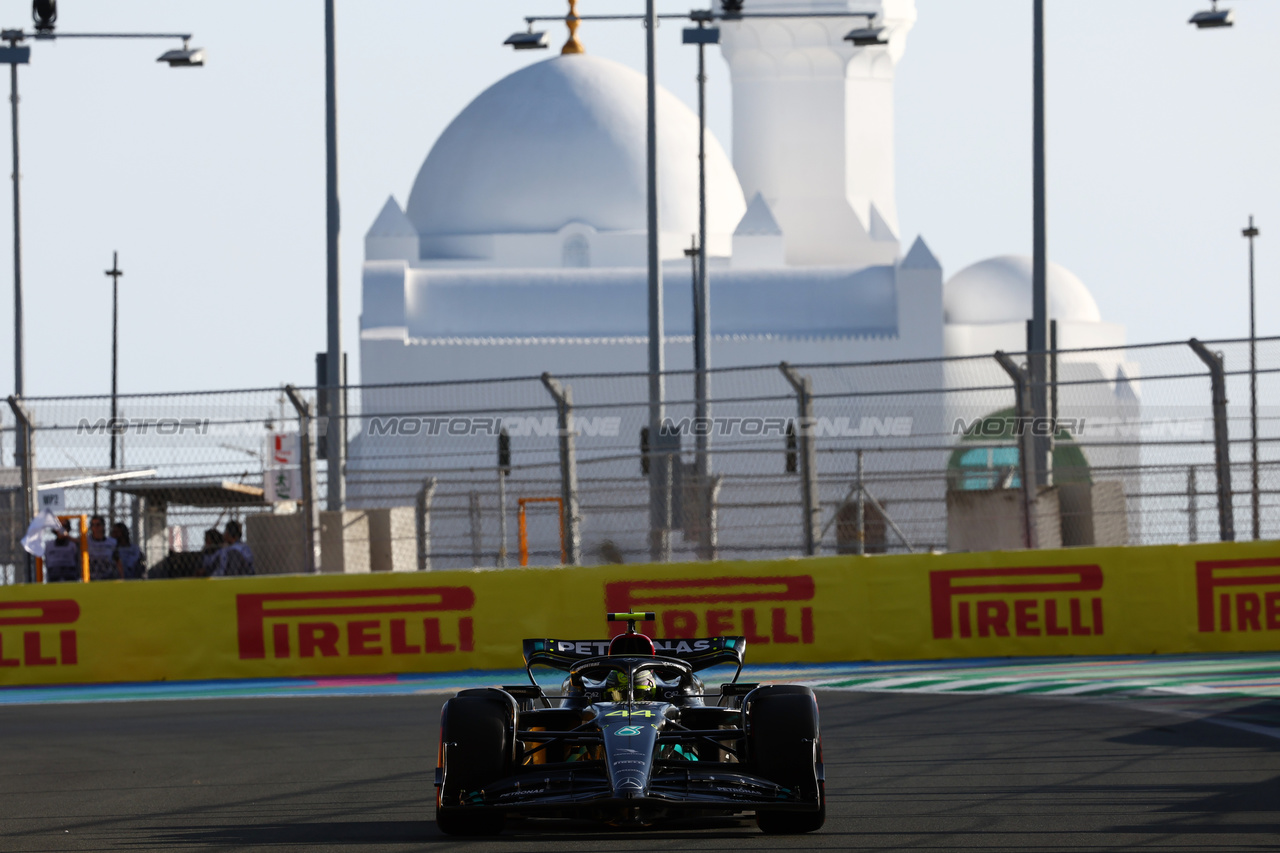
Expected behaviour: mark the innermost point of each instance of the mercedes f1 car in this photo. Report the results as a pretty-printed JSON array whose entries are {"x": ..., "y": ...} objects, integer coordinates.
[{"x": 634, "y": 738}]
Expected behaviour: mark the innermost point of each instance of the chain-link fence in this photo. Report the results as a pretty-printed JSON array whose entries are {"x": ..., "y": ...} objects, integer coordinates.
[{"x": 948, "y": 454}]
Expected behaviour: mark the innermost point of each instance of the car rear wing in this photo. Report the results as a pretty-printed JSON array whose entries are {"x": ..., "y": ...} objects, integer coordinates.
[{"x": 700, "y": 653}]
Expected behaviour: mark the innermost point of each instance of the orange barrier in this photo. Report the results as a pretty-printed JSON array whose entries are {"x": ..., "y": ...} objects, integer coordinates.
[
  {"x": 1085, "y": 601},
  {"x": 522, "y": 524}
]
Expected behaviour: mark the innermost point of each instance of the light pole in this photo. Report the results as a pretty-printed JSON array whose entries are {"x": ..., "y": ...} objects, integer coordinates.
[
  {"x": 702, "y": 35},
  {"x": 1038, "y": 340},
  {"x": 1250, "y": 233},
  {"x": 661, "y": 479},
  {"x": 115, "y": 272},
  {"x": 335, "y": 378},
  {"x": 15, "y": 56}
]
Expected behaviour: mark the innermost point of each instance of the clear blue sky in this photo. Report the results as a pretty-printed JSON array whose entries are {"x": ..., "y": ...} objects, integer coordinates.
[{"x": 210, "y": 182}]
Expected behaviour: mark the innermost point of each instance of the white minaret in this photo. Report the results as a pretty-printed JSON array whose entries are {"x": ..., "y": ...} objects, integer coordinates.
[{"x": 813, "y": 125}]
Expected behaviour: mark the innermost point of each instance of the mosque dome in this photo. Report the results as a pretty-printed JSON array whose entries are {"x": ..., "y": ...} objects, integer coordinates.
[
  {"x": 998, "y": 290},
  {"x": 563, "y": 141}
]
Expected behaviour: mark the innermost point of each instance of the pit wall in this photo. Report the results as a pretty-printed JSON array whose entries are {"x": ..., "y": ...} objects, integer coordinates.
[{"x": 1083, "y": 601}]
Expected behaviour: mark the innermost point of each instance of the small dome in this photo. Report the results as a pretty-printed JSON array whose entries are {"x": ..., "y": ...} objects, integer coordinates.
[
  {"x": 563, "y": 141},
  {"x": 998, "y": 290}
]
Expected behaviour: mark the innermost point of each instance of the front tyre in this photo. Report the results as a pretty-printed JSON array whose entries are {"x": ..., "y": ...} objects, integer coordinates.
[
  {"x": 783, "y": 743},
  {"x": 475, "y": 750}
]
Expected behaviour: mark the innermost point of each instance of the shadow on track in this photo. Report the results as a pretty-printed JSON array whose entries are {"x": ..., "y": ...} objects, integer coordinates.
[
  {"x": 518, "y": 832},
  {"x": 291, "y": 834}
]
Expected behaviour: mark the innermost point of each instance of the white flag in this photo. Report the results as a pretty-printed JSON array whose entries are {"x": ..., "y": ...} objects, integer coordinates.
[{"x": 33, "y": 542}]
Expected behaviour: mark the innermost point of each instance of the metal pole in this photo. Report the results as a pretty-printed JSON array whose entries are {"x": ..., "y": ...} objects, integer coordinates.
[
  {"x": 1193, "y": 520},
  {"x": 27, "y": 461},
  {"x": 702, "y": 295},
  {"x": 422, "y": 522},
  {"x": 1038, "y": 344},
  {"x": 1026, "y": 443},
  {"x": 310, "y": 509},
  {"x": 477, "y": 550},
  {"x": 862, "y": 508},
  {"x": 1250, "y": 233},
  {"x": 19, "y": 370},
  {"x": 660, "y": 478},
  {"x": 1221, "y": 439},
  {"x": 803, "y": 386},
  {"x": 710, "y": 539},
  {"x": 502, "y": 519},
  {"x": 570, "y": 510},
  {"x": 115, "y": 274},
  {"x": 335, "y": 441}
]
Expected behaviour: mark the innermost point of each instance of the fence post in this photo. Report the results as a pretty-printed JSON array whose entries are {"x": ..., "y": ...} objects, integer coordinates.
[
  {"x": 709, "y": 491},
  {"x": 1221, "y": 444},
  {"x": 24, "y": 432},
  {"x": 563, "y": 396},
  {"x": 422, "y": 522},
  {"x": 803, "y": 386},
  {"x": 477, "y": 544},
  {"x": 1193, "y": 520},
  {"x": 311, "y": 520},
  {"x": 1026, "y": 440}
]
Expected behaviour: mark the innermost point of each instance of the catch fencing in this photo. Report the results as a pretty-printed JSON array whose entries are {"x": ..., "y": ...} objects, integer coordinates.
[{"x": 797, "y": 459}]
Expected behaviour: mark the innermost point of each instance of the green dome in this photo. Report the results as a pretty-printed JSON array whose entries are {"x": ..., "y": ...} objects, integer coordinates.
[{"x": 996, "y": 462}]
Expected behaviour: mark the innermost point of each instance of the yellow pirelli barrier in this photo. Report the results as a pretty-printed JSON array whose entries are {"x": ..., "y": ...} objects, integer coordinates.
[{"x": 1088, "y": 601}]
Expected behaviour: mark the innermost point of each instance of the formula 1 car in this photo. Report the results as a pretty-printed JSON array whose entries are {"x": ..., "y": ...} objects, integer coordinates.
[{"x": 634, "y": 738}]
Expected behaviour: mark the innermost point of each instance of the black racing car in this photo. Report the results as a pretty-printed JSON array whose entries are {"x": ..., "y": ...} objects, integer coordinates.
[{"x": 633, "y": 739}]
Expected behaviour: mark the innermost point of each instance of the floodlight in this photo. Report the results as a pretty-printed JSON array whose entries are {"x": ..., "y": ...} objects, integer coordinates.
[
  {"x": 866, "y": 36},
  {"x": 1212, "y": 18},
  {"x": 529, "y": 41},
  {"x": 702, "y": 35},
  {"x": 183, "y": 57},
  {"x": 45, "y": 14}
]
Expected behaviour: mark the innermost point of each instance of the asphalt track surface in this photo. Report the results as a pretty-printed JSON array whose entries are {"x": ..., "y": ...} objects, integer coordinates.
[{"x": 905, "y": 771}]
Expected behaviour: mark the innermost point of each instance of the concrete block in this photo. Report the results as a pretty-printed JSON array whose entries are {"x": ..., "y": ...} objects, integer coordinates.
[
  {"x": 278, "y": 543},
  {"x": 393, "y": 543},
  {"x": 993, "y": 520},
  {"x": 344, "y": 542}
]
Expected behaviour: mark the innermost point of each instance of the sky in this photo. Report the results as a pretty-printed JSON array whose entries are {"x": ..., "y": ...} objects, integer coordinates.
[{"x": 1162, "y": 140}]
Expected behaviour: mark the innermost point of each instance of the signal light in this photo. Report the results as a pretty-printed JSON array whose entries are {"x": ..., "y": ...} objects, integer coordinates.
[
  {"x": 504, "y": 452},
  {"x": 793, "y": 449}
]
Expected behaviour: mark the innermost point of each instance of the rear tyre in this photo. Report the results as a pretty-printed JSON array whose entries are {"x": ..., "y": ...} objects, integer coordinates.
[
  {"x": 783, "y": 737},
  {"x": 479, "y": 732}
]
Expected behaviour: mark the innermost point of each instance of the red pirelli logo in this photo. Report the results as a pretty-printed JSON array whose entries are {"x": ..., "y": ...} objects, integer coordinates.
[
  {"x": 764, "y": 610},
  {"x": 1022, "y": 602},
  {"x": 1238, "y": 595},
  {"x": 37, "y": 648},
  {"x": 356, "y": 623}
]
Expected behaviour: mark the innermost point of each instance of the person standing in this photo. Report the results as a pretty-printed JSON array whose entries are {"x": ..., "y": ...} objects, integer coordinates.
[
  {"x": 62, "y": 558},
  {"x": 212, "y": 552},
  {"x": 102, "y": 552},
  {"x": 236, "y": 558},
  {"x": 128, "y": 556}
]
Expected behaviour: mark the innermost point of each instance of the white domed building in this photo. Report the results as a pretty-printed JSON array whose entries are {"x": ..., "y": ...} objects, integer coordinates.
[{"x": 523, "y": 245}]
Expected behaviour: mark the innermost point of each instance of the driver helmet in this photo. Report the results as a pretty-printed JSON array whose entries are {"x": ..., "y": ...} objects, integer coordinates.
[{"x": 616, "y": 684}]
